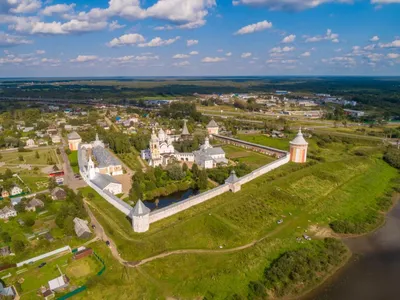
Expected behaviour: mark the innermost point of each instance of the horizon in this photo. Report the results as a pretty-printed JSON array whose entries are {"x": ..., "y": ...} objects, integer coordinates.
[{"x": 181, "y": 38}]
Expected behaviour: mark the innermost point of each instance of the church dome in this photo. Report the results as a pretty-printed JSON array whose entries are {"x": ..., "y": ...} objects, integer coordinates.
[{"x": 299, "y": 139}]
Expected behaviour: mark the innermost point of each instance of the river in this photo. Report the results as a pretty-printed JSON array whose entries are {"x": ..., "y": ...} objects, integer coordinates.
[
  {"x": 373, "y": 272},
  {"x": 170, "y": 199}
]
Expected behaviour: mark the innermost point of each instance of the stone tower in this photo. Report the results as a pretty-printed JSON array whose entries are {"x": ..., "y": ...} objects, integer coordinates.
[
  {"x": 91, "y": 168},
  {"x": 140, "y": 217},
  {"x": 298, "y": 149},
  {"x": 234, "y": 182}
]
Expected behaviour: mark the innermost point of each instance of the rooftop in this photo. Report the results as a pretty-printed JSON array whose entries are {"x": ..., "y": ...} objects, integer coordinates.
[
  {"x": 103, "y": 180},
  {"x": 74, "y": 136},
  {"x": 140, "y": 209},
  {"x": 104, "y": 158},
  {"x": 212, "y": 124}
]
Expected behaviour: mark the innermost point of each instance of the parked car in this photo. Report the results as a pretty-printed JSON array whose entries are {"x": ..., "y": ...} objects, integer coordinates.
[
  {"x": 306, "y": 237},
  {"x": 108, "y": 243},
  {"x": 279, "y": 221},
  {"x": 42, "y": 265}
]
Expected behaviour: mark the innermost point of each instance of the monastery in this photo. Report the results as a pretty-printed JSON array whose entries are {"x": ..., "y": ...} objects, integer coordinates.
[{"x": 162, "y": 151}]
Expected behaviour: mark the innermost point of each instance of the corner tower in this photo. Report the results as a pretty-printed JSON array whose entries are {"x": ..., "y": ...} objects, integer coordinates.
[{"x": 298, "y": 149}]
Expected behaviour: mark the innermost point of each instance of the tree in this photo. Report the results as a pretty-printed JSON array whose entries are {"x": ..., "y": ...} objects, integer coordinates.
[
  {"x": 90, "y": 196},
  {"x": 18, "y": 246},
  {"x": 58, "y": 151},
  {"x": 20, "y": 207},
  {"x": 195, "y": 170},
  {"x": 8, "y": 174},
  {"x": 175, "y": 172},
  {"x": 29, "y": 221},
  {"x": 5, "y": 237},
  {"x": 185, "y": 167},
  {"x": 69, "y": 225},
  {"x": 52, "y": 183},
  {"x": 68, "y": 151},
  {"x": 37, "y": 156},
  {"x": 55, "y": 168},
  {"x": 21, "y": 158},
  {"x": 202, "y": 181}
]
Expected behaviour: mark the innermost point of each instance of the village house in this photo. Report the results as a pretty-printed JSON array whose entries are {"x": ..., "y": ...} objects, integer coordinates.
[
  {"x": 7, "y": 212},
  {"x": 5, "y": 251},
  {"x": 33, "y": 204},
  {"x": 7, "y": 292},
  {"x": 58, "y": 194},
  {"x": 59, "y": 283},
  {"x": 56, "y": 139},
  {"x": 16, "y": 190},
  {"x": 82, "y": 229},
  {"x": 30, "y": 143}
]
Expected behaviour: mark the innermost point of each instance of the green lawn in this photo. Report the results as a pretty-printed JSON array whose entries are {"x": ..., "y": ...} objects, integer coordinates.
[
  {"x": 253, "y": 159},
  {"x": 278, "y": 143},
  {"x": 73, "y": 160},
  {"x": 46, "y": 156},
  {"x": 305, "y": 196},
  {"x": 78, "y": 271},
  {"x": 131, "y": 160}
]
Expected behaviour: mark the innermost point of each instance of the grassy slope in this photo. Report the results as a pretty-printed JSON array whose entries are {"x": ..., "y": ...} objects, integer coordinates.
[{"x": 344, "y": 187}]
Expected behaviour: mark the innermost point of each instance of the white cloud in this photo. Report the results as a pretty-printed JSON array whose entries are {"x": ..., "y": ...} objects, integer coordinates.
[
  {"x": 306, "y": 54},
  {"x": 114, "y": 25},
  {"x": 57, "y": 9},
  {"x": 157, "y": 42},
  {"x": 381, "y": 2},
  {"x": 191, "y": 42},
  {"x": 374, "y": 38},
  {"x": 280, "y": 50},
  {"x": 393, "y": 55},
  {"x": 132, "y": 58},
  {"x": 289, "y": 39},
  {"x": 40, "y": 52},
  {"x": 370, "y": 47},
  {"x": 213, "y": 59},
  {"x": 246, "y": 55},
  {"x": 329, "y": 36},
  {"x": 180, "y": 56},
  {"x": 127, "y": 39},
  {"x": 229, "y": 54},
  {"x": 394, "y": 44},
  {"x": 291, "y": 5},
  {"x": 8, "y": 40},
  {"x": 254, "y": 28},
  {"x": 194, "y": 53},
  {"x": 50, "y": 60},
  {"x": 181, "y": 64},
  {"x": 21, "y": 6},
  {"x": 84, "y": 58},
  {"x": 33, "y": 26}
]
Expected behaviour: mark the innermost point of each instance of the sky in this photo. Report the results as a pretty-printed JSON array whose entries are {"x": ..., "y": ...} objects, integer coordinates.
[{"x": 48, "y": 38}]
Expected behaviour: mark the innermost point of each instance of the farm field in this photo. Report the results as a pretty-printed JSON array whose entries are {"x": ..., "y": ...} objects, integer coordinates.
[
  {"x": 306, "y": 197},
  {"x": 46, "y": 157},
  {"x": 253, "y": 159},
  {"x": 31, "y": 277}
]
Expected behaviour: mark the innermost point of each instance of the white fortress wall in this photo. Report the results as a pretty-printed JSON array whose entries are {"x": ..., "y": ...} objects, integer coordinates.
[
  {"x": 265, "y": 169},
  {"x": 183, "y": 205}
]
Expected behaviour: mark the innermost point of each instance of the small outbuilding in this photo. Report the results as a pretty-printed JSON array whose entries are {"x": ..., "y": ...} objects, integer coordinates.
[{"x": 82, "y": 229}]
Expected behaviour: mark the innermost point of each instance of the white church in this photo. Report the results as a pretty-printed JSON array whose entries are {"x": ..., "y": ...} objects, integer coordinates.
[{"x": 162, "y": 151}]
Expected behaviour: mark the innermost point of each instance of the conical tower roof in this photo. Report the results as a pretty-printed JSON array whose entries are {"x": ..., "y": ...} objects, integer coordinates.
[
  {"x": 140, "y": 209},
  {"x": 232, "y": 178},
  {"x": 212, "y": 124},
  {"x": 299, "y": 139}
]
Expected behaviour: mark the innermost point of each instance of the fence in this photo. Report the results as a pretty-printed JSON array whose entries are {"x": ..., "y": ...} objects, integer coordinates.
[
  {"x": 84, "y": 287},
  {"x": 48, "y": 254}
]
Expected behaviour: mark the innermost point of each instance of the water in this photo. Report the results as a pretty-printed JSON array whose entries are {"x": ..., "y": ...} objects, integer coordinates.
[
  {"x": 171, "y": 199},
  {"x": 373, "y": 272}
]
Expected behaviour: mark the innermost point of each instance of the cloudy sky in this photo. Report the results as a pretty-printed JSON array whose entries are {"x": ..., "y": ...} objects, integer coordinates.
[{"x": 199, "y": 37}]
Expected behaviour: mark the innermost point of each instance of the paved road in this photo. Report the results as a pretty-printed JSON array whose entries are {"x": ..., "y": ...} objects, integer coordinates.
[{"x": 69, "y": 176}]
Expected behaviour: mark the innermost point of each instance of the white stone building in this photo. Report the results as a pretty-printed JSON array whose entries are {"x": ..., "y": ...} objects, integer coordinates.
[
  {"x": 101, "y": 172},
  {"x": 140, "y": 217}
]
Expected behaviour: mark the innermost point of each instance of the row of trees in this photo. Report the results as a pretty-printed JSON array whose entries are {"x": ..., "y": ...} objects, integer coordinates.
[{"x": 158, "y": 182}]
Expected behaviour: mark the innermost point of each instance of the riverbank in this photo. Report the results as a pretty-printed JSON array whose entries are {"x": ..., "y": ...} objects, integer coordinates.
[{"x": 372, "y": 271}]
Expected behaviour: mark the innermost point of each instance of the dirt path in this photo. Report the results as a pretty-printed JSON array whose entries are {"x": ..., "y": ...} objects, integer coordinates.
[{"x": 100, "y": 233}]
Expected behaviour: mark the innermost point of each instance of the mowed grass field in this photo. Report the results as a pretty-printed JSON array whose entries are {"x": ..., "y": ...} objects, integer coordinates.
[
  {"x": 73, "y": 160},
  {"x": 253, "y": 159},
  {"x": 307, "y": 197}
]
